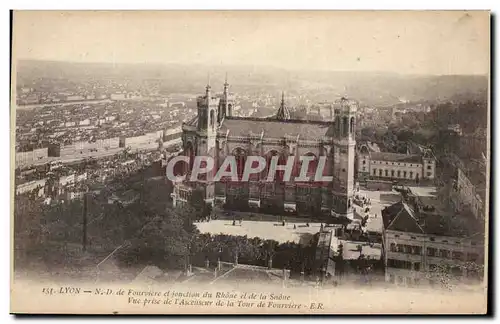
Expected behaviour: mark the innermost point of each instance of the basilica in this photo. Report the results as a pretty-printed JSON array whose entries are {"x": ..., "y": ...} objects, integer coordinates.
[{"x": 215, "y": 132}]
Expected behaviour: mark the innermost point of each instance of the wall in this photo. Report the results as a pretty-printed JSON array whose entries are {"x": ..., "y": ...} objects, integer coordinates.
[
  {"x": 149, "y": 140},
  {"x": 411, "y": 169},
  {"x": 466, "y": 195},
  {"x": 30, "y": 157},
  {"x": 379, "y": 185},
  {"x": 29, "y": 186}
]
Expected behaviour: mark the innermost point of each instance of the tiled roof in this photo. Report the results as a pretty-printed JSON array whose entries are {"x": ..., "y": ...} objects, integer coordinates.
[
  {"x": 394, "y": 157},
  {"x": 400, "y": 217},
  {"x": 276, "y": 128},
  {"x": 193, "y": 121}
]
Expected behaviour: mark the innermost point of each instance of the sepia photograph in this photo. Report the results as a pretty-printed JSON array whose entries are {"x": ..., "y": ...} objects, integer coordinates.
[{"x": 250, "y": 162}]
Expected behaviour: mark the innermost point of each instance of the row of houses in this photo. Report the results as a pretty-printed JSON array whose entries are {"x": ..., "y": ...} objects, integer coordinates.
[
  {"x": 48, "y": 185},
  {"x": 29, "y": 157},
  {"x": 150, "y": 140},
  {"x": 84, "y": 146}
]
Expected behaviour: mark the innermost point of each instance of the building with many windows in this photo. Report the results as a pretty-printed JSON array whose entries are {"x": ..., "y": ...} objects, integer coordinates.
[
  {"x": 395, "y": 166},
  {"x": 423, "y": 243}
]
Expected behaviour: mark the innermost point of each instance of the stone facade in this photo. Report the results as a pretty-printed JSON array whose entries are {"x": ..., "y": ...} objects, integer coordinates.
[
  {"x": 395, "y": 166},
  {"x": 216, "y": 133}
]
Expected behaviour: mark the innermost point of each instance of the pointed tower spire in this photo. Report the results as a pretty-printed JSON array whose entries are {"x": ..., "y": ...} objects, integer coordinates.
[
  {"x": 226, "y": 86},
  {"x": 283, "y": 112},
  {"x": 208, "y": 86}
]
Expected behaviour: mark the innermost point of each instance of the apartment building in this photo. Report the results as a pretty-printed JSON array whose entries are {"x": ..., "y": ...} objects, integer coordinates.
[{"x": 422, "y": 243}]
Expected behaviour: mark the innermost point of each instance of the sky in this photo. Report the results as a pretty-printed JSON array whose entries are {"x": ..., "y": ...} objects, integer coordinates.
[{"x": 425, "y": 42}]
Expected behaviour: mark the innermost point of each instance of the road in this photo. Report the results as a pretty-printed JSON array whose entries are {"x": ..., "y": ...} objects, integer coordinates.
[{"x": 379, "y": 200}]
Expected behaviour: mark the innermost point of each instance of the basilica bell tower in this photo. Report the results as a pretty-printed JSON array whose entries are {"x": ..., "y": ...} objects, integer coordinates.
[{"x": 343, "y": 157}]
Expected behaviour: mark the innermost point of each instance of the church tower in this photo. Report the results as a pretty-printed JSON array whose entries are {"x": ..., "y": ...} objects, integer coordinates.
[
  {"x": 226, "y": 103},
  {"x": 206, "y": 133},
  {"x": 344, "y": 156}
]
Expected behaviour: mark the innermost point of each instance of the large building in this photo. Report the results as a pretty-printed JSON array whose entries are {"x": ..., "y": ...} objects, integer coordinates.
[
  {"x": 217, "y": 133},
  {"x": 424, "y": 243},
  {"x": 414, "y": 165}
]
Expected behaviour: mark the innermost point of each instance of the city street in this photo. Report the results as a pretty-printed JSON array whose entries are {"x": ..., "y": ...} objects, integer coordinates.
[{"x": 379, "y": 200}]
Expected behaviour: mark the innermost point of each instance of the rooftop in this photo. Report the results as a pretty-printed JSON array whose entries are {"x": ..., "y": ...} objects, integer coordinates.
[
  {"x": 273, "y": 128},
  {"x": 394, "y": 157},
  {"x": 424, "y": 213}
]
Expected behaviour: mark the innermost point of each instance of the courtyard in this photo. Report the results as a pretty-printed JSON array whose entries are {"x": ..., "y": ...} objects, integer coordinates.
[
  {"x": 295, "y": 229},
  {"x": 268, "y": 230}
]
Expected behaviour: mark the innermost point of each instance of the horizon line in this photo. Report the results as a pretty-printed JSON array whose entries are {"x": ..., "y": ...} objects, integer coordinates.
[{"x": 487, "y": 74}]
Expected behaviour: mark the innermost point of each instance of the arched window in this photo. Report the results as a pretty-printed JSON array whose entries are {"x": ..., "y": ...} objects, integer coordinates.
[
  {"x": 189, "y": 151},
  {"x": 268, "y": 158},
  {"x": 339, "y": 126},
  {"x": 240, "y": 157},
  {"x": 230, "y": 110},
  {"x": 254, "y": 176},
  {"x": 281, "y": 173},
  {"x": 346, "y": 126},
  {"x": 212, "y": 119},
  {"x": 352, "y": 125},
  {"x": 313, "y": 165}
]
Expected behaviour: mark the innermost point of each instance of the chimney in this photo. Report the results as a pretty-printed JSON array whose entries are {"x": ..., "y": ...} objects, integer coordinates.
[
  {"x": 207, "y": 263},
  {"x": 270, "y": 263}
]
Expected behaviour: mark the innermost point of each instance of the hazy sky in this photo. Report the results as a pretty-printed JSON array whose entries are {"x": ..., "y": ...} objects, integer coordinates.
[{"x": 451, "y": 42}]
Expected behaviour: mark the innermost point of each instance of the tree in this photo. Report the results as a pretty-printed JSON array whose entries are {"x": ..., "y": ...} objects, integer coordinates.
[
  {"x": 163, "y": 241},
  {"x": 268, "y": 250}
]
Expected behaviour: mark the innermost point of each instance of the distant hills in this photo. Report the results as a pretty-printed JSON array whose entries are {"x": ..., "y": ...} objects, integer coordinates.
[{"x": 371, "y": 88}]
